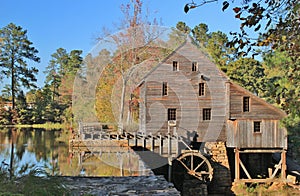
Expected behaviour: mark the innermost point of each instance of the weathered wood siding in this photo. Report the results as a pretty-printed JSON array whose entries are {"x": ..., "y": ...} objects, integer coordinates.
[
  {"x": 183, "y": 95},
  {"x": 258, "y": 107},
  {"x": 240, "y": 127},
  {"x": 240, "y": 134},
  {"x": 225, "y": 99}
]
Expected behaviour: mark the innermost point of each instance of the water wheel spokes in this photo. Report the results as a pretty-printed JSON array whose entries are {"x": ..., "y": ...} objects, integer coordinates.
[{"x": 196, "y": 165}]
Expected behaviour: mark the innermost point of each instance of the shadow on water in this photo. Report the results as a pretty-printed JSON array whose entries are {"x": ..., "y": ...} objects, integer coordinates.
[{"x": 183, "y": 182}]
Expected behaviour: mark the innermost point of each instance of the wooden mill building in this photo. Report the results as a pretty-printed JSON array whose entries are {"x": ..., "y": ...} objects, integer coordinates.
[{"x": 186, "y": 94}]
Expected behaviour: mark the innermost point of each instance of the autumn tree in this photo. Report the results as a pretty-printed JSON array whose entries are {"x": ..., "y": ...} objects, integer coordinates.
[
  {"x": 133, "y": 45},
  {"x": 15, "y": 50}
]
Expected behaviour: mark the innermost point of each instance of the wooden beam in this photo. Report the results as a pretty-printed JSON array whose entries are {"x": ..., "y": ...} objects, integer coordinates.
[
  {"x": 283, "y": 165},
  {"x": 267, "y": 180},
  {"x": 260, "y": 151},
  {"x": 161, "y": 144},
  {"x": 245, "y": 170},
  {"x": 277, "y": 167},
  {"x": 135, "y": 140},
  {"x": 237, "y": 164},
  {"x": 144, "y": 142},
  {"x": 169, "y": 145},
  {"x": 152, "y": 143}
]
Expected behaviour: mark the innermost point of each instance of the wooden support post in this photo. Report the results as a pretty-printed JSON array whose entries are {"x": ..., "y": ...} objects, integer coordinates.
[
  {"x": 237, "y": 165},
  {"x": 177, "y": 145},
  {"x": 170, "y": 168},
  {"x": 152, "y": 143},
  {"x": 144, "y": 142},
  {"x": 135, "y": 140},
  {"x": 128, "y": 139},
  {"x": 169, "y": 145},
  {"x": 121, "y": 165},
  {"x": 161, "y": 145},
  {"x": 283, "y": 166}
]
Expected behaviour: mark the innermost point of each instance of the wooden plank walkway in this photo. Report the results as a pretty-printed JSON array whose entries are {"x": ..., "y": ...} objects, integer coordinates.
[{"x": 99, "y": 136}]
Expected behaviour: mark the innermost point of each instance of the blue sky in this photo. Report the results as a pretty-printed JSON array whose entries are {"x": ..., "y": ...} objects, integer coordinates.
[{"x": 74, "y": 24}]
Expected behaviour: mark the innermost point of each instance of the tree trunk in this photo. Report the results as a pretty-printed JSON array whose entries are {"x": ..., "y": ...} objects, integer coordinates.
[
  {"x": 11, "y": 156},
  {"x": 121, "y": 116},
  {"x": 13, "y": 84}
]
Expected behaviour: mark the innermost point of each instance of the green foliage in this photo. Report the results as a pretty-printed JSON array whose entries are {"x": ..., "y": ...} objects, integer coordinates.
[
  {"x": 218, "y": 50},
  {"x": 181, "y": 26},
  {"x": 200, "y": 33},
  {"x": 50, "y": 103},
  {"x": 32, "y": 182},
  {"x": 60, "y": 74},
  {"x": 15, "y": 49},
  {"x": 214, "y": 43},
  {"x": 249, "y": 73},
  {"x": 276, "y": 23}
]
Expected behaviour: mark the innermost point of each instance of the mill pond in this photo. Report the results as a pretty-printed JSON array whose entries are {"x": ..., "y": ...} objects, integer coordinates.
[{"x": 49, "y": 150}]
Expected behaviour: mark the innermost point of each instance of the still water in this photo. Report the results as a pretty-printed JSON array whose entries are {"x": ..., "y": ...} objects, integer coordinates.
[{"x": 50, "y": 151}]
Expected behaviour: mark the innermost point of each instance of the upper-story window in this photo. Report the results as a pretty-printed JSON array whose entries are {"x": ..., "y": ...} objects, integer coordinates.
[
  {"x": 201, "y": 89},
  {"x": 246, "y": 104},
  {"x": 256, "y": 127},
  {"x": 206, "y": 113},
  {"x": 171, "y": 114},
  {"x": 175, "y": 66},
  {"x": 164, "y": 89},
  {"x": 194, "y": 66}
]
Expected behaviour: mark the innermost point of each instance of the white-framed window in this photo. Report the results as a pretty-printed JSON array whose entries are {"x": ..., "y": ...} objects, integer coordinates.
[
  {"x": 164, "y": 89},
  {"x": 171, "y": 114},
  {"x": 257, "y": 126},
  {"x": 201, "y": 89},
  {"x": 175, "y": 66},
  {"x": 194, "y": 66},
  {"x": 206, "y": 113},
  {"x": 246, "y": 104}
]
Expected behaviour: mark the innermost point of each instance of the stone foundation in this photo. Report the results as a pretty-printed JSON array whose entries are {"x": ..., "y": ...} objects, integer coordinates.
[{"x": 221, "y": 182}]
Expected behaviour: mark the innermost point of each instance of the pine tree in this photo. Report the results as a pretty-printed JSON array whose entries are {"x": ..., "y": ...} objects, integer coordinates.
[{"x": 15, "y": 50}]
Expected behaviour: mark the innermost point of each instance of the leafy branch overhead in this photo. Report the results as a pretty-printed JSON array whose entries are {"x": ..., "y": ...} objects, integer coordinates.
[
  {"x": 193, "y": 5},
  {"x": 276, "y": 22}
]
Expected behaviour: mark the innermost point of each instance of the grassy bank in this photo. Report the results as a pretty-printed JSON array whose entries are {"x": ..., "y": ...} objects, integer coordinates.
[{"x": 31, "y": 184}]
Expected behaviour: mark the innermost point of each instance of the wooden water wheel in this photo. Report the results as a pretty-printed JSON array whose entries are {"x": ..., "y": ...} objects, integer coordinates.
[{"x": 196, "y": 165}]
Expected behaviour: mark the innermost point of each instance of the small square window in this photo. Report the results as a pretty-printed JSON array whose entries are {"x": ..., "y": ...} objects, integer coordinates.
[
  {"x": 194, "y": 66},
  {"x": 246, "y": 104},
  {"x": 165, "y": 89},
  {"x": 171, "y": 114},
  {"x": 256, "y": 126},
  {"x": 201, "y": 89},
  {"x": 206, "y": 114},
  {"x": 175, "y": 66}
]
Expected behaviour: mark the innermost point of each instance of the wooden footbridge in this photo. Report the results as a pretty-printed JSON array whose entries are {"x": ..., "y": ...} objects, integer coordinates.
[{"x": 100, "y": 138}]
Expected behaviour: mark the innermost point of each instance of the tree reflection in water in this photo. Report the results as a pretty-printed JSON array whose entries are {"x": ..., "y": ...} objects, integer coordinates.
[{"x": 29, "y": 148}]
